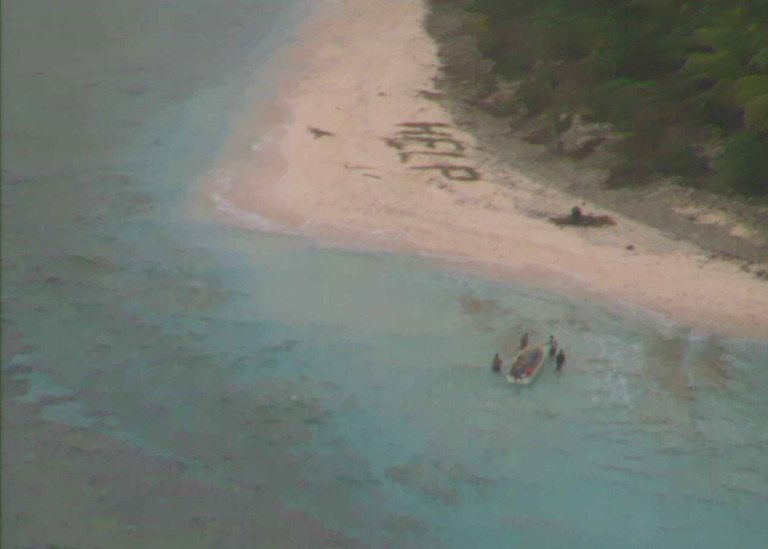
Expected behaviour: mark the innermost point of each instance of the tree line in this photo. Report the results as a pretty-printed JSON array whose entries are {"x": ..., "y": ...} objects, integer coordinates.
[{"x": 684, "y": 84}]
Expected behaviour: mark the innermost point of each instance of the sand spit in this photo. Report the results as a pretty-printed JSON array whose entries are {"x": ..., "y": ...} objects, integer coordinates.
[{"x": 361, "y": 153}]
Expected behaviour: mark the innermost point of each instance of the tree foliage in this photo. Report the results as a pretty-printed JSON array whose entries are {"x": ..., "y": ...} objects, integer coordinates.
[{"x": 673, "y": 76}]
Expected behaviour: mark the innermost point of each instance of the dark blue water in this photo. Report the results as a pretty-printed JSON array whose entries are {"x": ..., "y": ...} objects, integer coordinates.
[{"x": 356, "y": 386}]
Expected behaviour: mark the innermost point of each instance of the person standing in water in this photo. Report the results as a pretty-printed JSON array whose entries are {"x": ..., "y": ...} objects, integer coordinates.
[
  {"x": 524, "y": 341},
  {"x": 497, "y": 364},
  {"x": 552, "y": 345},
  {"x": 560, "y": 360}
]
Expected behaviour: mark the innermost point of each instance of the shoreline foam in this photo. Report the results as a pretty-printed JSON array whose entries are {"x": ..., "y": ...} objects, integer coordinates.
[{"x": 365, "y": 68}]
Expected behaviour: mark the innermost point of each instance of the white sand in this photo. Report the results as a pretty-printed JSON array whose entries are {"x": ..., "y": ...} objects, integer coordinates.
[{"x": 362, "y": 66}]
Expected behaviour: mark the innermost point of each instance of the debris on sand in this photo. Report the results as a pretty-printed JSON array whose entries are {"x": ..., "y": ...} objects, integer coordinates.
[
  {"x": 317, "y": 132},
  {"x": 426, "y": 94},
  {"x": 758, "y": 270},
  {"x": 579, "y": 219}
]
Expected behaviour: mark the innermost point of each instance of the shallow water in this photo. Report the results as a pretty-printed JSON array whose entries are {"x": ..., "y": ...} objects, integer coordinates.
[{"x": 356, "y": 386}]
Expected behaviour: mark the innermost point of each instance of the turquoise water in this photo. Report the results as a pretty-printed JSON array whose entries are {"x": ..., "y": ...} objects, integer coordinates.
[{"x": 357, "y": 386}]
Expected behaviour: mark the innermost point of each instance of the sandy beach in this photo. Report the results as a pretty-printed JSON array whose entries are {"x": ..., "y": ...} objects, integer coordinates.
[{"x": 360, "y": 153}]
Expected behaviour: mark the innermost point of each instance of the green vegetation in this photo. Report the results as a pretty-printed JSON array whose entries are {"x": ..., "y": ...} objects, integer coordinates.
[{"x": 684, "y": 82}]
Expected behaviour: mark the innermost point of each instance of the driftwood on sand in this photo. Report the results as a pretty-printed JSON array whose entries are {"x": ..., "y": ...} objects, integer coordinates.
[{"x": 317, "y": 132}]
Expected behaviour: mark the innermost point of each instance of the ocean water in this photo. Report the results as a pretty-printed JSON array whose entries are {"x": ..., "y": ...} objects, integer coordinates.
[{"x": 357, "y": 386}]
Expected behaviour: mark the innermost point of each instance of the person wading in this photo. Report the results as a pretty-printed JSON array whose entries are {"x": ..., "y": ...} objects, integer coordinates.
[
  {"x": 560, "y": 360},
  {"x": 524, "y": 341},
  {"x": 496, "y": 364}
]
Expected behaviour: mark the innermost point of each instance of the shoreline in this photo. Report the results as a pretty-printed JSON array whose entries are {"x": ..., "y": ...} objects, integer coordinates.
[{"x": 394, "y": 173}]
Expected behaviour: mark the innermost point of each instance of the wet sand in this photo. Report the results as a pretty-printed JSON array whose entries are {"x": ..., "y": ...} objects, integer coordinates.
[{"x": 360, "y": 153}]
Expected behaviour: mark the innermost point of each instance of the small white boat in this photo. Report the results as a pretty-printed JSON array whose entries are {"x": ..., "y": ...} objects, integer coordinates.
[{"x": 528, "y": 364}]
